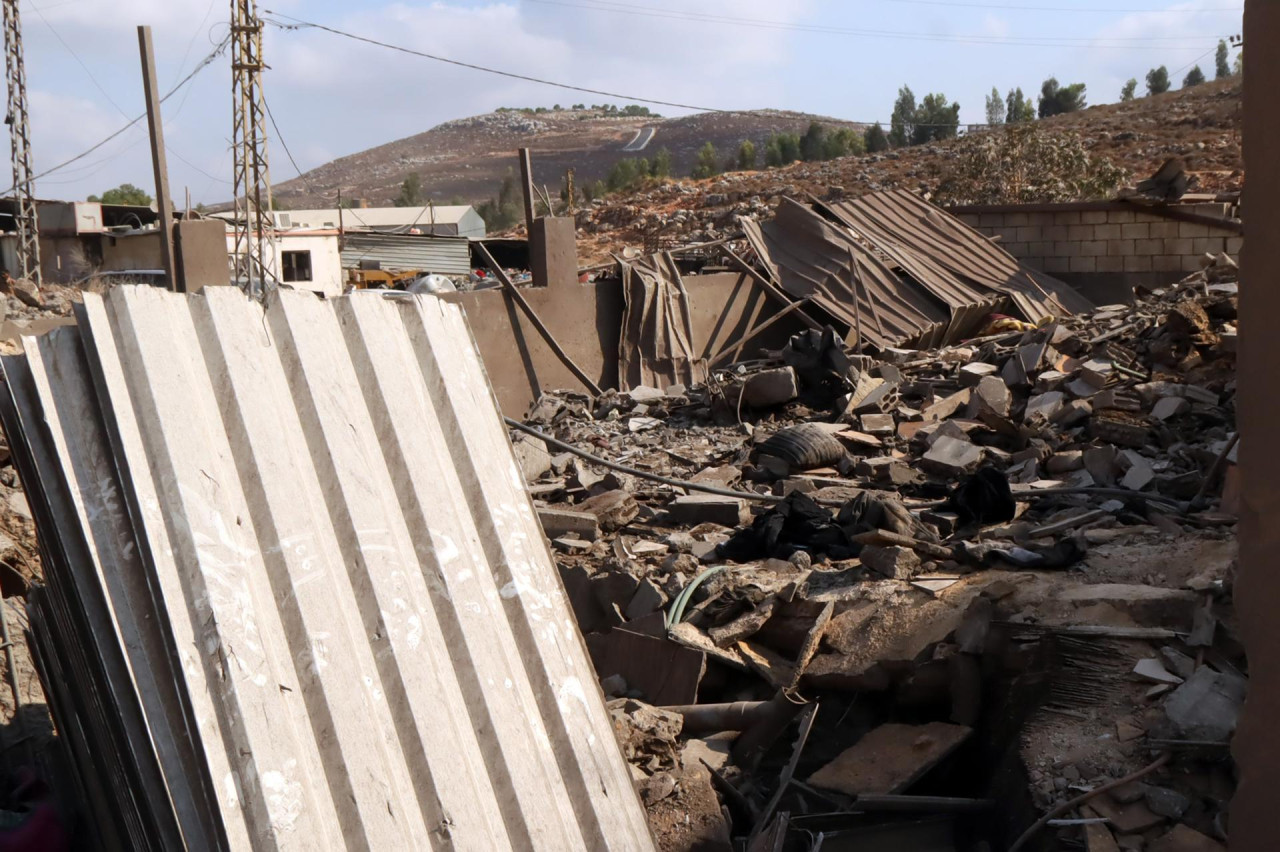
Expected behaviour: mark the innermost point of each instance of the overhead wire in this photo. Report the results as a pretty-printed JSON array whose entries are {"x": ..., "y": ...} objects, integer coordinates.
[
  {"x": 1118, "y": 43},
  {"x": 97, "y": 85},
  {"x": 204, "y": 63}
]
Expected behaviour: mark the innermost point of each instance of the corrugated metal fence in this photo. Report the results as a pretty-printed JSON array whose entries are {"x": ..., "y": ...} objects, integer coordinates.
[
  {"x": 435, "y": 254},
  {"x": 298, "y": 596}
]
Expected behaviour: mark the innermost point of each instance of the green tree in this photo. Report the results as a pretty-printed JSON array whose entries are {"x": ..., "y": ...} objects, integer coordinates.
[
  {"x": 875, "y": 139},
  {"x": 935, "y": 119},
  {"x": 845, "y": 142},
  {"x": 902, "y": 124},
  {"x": 781, "y": 149},
  {"x": 813, "y": 143},
  {"x": 746, "y": 155},
  {"x": 1222, "y": 66},
  {"x": 410, "y": 192},
  {"x": 708, "y": 164},
  {"x": 125, "y": 193},
  {"x": 1194, "y": 78},
  {"x": 995, "y": 107},
  {"x": 1158, "y": 81},
  {"x": 1056, "y": 99},
  {"x": 1239, "y": 66},
  {"x": 1019, "y": 106},
  {"x": 504, "y": 211},
  {"x": 1126, "y": 94},
  {"x": 661, "y": 164}
]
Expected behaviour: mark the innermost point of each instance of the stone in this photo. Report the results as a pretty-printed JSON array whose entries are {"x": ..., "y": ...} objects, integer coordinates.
[
  {"x": 1177, "y": 662},
  {"x": 972, "y": 374},
  {"x": 770, "y": 387},
  {"x": 1065, "y": 462},
  {"x": 1169, "y": 406},
  {"x": 707, "y": 508},
  {"x": 896, "y": 563},
  {"x": 948, "y": 429},
  {"x": 1101, "y": 464},
  {"x": 532, "y": 457},
  {"x": 991, "y": 396},
  {"x": 571, "y": 545},
  {"x": 557, "y": 523},
  {"x": 1074, "y": 413},
  {"x": 643, "y": 394},
  {"x": 1207, "y": 706},
  {"x": 947, "y": 406},
  {"x": 1049, "y": 380},
  {"x": 1140, "y": 473},
  {"x": 648, "y": 598},
  {"x": 1166, "y": 802},
  {"x": 945, "y": 523},
  {"x": 613, "y": 509},
  {"x": 1042, "y": 408},
  {"x": 877, "y": 424},
  {"x": 952, "y": 457},
  {"x": 1151, "y": 669},
  {"x": 1126, "y": 819}
]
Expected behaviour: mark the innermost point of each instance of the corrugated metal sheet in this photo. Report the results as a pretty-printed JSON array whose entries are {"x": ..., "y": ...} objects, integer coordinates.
[
  {"x": 900, "y": 270},
  {"x": 336, "y": 622},
  {"x": 656, "y": 344},
  {"x": 440, "y": 255}
]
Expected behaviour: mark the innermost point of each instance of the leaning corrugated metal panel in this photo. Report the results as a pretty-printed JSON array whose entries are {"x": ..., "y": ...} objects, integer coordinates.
[{"x": 376, "y": 646}]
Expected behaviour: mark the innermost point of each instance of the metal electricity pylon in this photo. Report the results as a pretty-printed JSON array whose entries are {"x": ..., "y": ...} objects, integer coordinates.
[
  {"x": 253, "y": 242},
  {"x": 20, "y": 138}
]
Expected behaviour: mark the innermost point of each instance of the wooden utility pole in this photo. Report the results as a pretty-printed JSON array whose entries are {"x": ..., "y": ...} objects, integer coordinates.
[
  {"x": 156, "y": 125},
  {"x": 526, "y": 185}
]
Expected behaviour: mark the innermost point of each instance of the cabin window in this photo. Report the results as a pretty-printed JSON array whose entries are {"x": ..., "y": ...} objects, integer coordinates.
[{"x": 297, "y": 266}]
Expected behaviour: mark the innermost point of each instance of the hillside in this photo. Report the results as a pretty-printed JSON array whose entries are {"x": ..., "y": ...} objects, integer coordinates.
[
  {"x": 1201, "y": 125},
  {"x": 468, "y": 158}
]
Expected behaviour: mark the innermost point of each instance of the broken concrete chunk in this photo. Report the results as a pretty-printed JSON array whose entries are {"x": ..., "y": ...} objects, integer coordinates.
[
  {"x": 648, "y": 598},
  {"x": 1065, "y": 462},
  {"x": 972, "y": 374},
  {"x": 877, "y": 424},
  {"x": 948, "y": 429},
  {"x": 557, "y": 523},
  {"x": 1170, "y": 406},
  {"x": 613, "y": 509},
  {"x": 1140, "y": 472},
  {"x": 1165, "y": 802},
  {"x": 1049, "y": 380},
  {"x": 1184, "y": 839},
  {"x": 896, "y": 563},
  {"x": 1207, "y": 706},
  {"x": 946, "y": 523},
  {"x": 1151, "y": 391},
  {"x": 991, "y": 396},
  {"x": 952, "y": 457},
  {"x": 770, "y": 387},
  {"x": 1177, "y": 662},
  {"x": 947, "y": 406},
  {"x": 1101, "y": 464},
  {"x": 1042, "y": 409},
  {"x": 532, "y": 456},
  {"x": 1153, "y": 670},
  {"x": 707, "y": 508},
  {"x": 1074, "y": 413},
  {"x": 890, "y": 758}
]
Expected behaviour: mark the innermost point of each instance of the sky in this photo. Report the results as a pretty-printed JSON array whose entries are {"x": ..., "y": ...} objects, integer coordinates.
[{"x": 333, "y": 96}]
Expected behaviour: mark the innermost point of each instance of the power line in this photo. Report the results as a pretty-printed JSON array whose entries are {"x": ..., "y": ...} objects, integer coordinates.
[
  {"x": 204, "y": 63},
  {"x": 284, "y": 144},
  {"x": 94, "y": 80},
  {"x": 1117, "y": 43}
]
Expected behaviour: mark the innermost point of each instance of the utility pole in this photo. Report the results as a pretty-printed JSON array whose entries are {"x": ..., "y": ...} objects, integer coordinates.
[
  {"x": 20, "y": 140},
  {"x": 155, "y": 124},
  {"x": 254, "y": 244}
]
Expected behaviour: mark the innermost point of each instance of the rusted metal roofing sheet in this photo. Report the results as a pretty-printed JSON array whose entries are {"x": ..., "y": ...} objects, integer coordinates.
[
  {"x": 897, "y": 271},
  {"x": 396, "y": 252},
  {"x": 306, "y": 531}
]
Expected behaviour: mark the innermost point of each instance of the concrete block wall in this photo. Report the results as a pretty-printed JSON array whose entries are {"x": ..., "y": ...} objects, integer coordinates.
[{"x": 1106, "y": 247}]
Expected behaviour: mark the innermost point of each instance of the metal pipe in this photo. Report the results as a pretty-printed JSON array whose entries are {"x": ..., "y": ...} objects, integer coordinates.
[{"x": 711, "y": 718}]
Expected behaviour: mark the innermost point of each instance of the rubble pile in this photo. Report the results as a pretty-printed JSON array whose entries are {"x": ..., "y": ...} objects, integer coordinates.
[{"x": 916, "y": 584}]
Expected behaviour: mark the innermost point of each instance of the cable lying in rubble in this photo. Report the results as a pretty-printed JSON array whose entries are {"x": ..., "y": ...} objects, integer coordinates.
[{"x": 773, "y": 498}]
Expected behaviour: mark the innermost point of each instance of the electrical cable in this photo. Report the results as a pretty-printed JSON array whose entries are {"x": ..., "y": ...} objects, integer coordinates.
[
  {"x": 204, "y": 63},
  {"x": 1129, "y": 42}
]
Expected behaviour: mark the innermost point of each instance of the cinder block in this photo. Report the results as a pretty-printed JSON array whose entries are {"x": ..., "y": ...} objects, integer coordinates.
[
  {"x": 1016, "y": 249},
  {"x": 991, "y": 220},
  {"x": 1164, "y": 229},
  {"x": 1234, "y": 245},
  {"x": 1093, "y": 248},
  {"x": 1040, "y": 219},
  {"x": 1007, "y": 234},
  {"x": 1065, "y": 249},
  {"x": 1111, "y": 264},
  {"x": 1191, "y": 229},
  {"x": 1068, "y": 217},
  {"x": 1137, "y": 263},
  {"x": 1035, "y": 261},
  {"x": 1120, "y": 248},
  {"x": 1028, "y": 233},
  {"x": 1120, "y": 217},
  {"x": 1057, "y": 264},
  {"x": 1040, "y": 248},
  {"x": 1200, "y": 245},
  {"x": 1190, "y": 263},
  {"x": 1079, "y": 233},
  {"x": 1093, "y": 217},
  {"x": 1135, "y": 231},
  {"x": 970, "y": 219},
  {"x": 1016, "y": 219},
  {"x": 1177, "y": 247},
  {"x": 1152, "y": 247},
  {"x": 1166, "y": 263},
  {"x": 1055, "y": 232},
  {"x": 1084, "y": 264},
  {"x": 1106, "y": 232}
]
